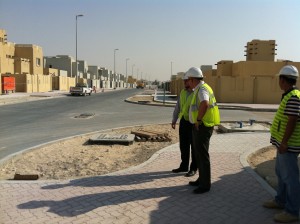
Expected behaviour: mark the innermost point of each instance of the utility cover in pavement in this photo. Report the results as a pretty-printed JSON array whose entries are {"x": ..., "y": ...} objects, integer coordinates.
[
  {"x": 105, "y": 138},
  {"x": 242, "y": 127},
  {"x": 85, "y": 115}
]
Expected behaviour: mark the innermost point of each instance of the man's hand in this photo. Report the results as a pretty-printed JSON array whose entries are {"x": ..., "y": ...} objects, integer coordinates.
[
  {"x": 173, "y": 125},
  {"x": 282, "y": 148}
]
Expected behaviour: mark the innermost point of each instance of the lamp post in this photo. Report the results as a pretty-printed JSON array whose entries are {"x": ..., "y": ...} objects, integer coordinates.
[
  {"x": 76, "y": 78},
  {"x": 132, "y": 70},
  {"x": 126, "y": 71},
  {"x": 115, "y": 61},
  {"x": 171, "y": 69}
]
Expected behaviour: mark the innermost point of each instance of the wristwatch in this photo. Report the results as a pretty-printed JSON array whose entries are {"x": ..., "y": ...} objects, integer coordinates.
[{"x": 199, "y": 121}]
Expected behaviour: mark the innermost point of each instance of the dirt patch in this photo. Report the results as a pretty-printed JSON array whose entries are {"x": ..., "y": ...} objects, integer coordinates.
[
  {"x": 141, "y": 98},
  {"x": 74, "y": 158}
]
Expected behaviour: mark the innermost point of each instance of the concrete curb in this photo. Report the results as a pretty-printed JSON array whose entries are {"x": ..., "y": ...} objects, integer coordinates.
[
  {"x": 247, "y": 108},
  {"x": 245, "y": 164},
  {"x": 149, "y": 104},
  {"x": 224, "y": 107}
]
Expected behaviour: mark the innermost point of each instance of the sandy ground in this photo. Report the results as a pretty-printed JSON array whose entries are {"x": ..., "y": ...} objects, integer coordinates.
[{"x": 74, "y": 158}]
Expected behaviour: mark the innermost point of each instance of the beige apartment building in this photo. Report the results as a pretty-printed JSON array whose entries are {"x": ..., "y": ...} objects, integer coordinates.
[
  {"x": 25, "y": 62},
  {"x": 260, "y": 50},
  {"x": 7, "y": 53},
  {"x": 250, "y": 81},
  {"x": 34, "y": 54}
]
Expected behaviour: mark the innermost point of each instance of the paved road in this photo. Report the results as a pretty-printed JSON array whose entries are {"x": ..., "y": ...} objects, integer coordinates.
[{"x": 28, "y": 124}]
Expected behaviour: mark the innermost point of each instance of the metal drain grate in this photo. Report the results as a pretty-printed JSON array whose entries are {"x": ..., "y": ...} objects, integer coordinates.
[{"x": 85, "y": 115}]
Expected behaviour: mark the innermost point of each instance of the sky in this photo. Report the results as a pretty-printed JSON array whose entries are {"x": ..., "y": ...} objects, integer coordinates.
[{"x": 160, "y": 37}]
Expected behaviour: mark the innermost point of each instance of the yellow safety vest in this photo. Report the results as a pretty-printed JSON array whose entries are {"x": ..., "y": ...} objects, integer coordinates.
[
  {"x": 185, "y": 102},
  {"x": 280, "y": 121},
  {"x": 212, "y": 115}
]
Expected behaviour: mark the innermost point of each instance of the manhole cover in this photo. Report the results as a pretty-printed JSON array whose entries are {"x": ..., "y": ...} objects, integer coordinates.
[
  {"x": 105, "y": 138},
  {"x": 85, "y": 115}
]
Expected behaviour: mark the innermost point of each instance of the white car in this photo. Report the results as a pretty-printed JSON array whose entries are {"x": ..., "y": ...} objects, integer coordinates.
[{"x": 81, "y": 89}]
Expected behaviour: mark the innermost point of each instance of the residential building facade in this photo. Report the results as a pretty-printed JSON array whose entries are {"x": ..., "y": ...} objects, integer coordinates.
[{"x": 250, "y": 81}]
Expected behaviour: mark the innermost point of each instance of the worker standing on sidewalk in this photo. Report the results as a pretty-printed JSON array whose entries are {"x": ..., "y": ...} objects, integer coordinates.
[
  {"x": 181, "y": 111},
  {"x": 204, "y": 115},
  {"x": 285, "y": 135}
]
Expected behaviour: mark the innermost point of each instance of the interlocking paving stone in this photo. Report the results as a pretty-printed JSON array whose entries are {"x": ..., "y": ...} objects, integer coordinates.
[{"x": 148, "y": 193}]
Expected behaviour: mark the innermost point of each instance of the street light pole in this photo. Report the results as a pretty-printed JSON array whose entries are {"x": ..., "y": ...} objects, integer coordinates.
[
  {"x": 115, "y": 61},
  {"x": 171, "y": 69},
  {"x": 76, "y": 78},
  {"x": 132, "y": 70},
  {"x": 126, "y": 71}
]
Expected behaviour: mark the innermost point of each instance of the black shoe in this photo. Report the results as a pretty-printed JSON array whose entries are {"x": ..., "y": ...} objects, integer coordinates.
[
  {"x": 179, "y": 170},
  {"x": 190, "y": 173},
  {"x": 200, "y": 190},
  {"x": 194, "y": 183}
]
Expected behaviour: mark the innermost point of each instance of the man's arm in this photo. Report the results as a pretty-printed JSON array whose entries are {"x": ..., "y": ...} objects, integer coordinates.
[
  {"x": 201, "y": 112},
  {"x": 176, "y": 113},
  {"x": 203, "y": 95},
  {"x": 292, "y": 110},
  {"x": 290, "y": 127},
  {"x": 202, "y": 109}
]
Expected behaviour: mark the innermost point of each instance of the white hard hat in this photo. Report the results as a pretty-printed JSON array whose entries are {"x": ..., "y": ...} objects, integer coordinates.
[
  {"x": 290, "y": 71},
  {"x": 194, "y": 72}
]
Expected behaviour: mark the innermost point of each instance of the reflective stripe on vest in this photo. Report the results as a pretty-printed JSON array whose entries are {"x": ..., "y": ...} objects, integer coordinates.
[
  {"x": 212, "y": 115},
  {"x": 280, "y": 122},
  {"x": 185, "y": 101}
]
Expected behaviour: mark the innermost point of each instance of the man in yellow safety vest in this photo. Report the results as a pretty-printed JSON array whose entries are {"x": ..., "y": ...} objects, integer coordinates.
[
  {"x": 204, "y": 115},
  {"x": 181, "y": 111},
  {"x": 285, "y": 135}
]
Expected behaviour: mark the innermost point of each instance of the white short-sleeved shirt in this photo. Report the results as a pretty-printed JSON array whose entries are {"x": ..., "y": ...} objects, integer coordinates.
[{"x": 202, "y": 93}]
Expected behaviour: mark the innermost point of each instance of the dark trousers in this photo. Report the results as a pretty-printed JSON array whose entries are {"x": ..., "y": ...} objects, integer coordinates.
[
  {"x": 201, "y": 138},
  {"x": 186, "y": 145}
]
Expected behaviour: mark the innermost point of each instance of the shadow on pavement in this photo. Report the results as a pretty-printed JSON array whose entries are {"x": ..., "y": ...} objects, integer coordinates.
[
  {"x": 234, "y": 198},
  {"x": 115, "y": 180}
]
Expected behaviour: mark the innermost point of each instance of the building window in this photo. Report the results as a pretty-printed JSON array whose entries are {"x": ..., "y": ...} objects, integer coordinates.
[{"x": 38, "y": 62}]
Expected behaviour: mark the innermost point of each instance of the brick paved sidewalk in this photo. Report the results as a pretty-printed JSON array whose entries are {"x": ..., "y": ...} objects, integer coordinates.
[{"x": 149, "y": 193}]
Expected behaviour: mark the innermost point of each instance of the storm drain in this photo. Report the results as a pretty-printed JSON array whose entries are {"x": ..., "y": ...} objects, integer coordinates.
[{"x": 85, "y": 115}]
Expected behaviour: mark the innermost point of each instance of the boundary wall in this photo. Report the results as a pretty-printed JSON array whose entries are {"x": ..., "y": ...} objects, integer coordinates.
[{"x": 228, "y": 89}]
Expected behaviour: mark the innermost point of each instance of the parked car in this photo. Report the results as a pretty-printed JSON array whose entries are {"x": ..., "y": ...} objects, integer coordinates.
[{"x": 81, "y": 89}]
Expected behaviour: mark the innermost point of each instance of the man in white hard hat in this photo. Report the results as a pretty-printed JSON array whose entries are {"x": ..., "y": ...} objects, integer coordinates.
[
  {"x": 204, "y": 115},
  {"x": 181, "y": 111},
  {"x": 285, "y": 135}
]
